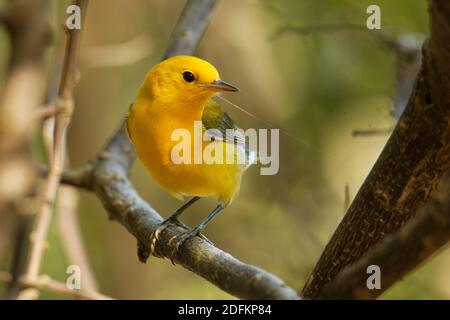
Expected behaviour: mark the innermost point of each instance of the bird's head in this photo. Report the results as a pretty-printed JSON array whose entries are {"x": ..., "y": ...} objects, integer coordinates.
[{"x": 184, "y": 79}]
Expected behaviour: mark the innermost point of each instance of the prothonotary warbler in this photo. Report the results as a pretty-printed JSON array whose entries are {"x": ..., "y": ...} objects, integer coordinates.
[{"x": 175, "y": 95}]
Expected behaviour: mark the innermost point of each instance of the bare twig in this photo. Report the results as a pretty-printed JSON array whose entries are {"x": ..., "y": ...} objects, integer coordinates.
[
  {"x": 347, "y": 197},
  {"x": 80, "y": 177},
  {"x": 117, "y": 55},
  {"x": 404, "y": 44},
  {"x": 69, "y": 231},
  {"x": 409, "y": 168},
  {"x": 306, "y": 30},
  {"x": 44, "y": 282},
  {"x": 47, "y": 111},
  {"x": 371, "y": 132},
  {"x": 65, "y": 102},
  {"x": 70, "y": 235}
]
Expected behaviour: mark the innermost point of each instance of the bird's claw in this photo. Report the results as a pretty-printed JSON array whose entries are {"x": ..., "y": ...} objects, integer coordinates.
[
  {"x": 181, "y": 238},
  {"x": 175, "y": 241},
  {"x": 155, "y": 235}
]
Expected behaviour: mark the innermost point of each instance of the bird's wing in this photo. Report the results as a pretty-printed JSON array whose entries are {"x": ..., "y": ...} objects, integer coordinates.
[{"x": 220, "y": 126}]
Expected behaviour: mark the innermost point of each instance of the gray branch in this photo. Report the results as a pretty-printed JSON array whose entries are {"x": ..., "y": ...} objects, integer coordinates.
[{"x": 109, "y": 180}]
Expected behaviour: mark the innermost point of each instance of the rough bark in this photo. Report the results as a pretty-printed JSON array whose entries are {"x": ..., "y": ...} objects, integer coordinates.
[
  {"x": 409, "y": 168},
  {"x": 399, "y": 253}
]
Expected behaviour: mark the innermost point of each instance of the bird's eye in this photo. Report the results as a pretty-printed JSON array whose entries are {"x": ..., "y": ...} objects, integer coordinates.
[{"x": 188, "y": 76}]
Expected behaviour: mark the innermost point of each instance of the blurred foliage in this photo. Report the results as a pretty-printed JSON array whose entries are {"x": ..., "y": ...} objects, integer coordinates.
[{"x": 319, "y": 87}]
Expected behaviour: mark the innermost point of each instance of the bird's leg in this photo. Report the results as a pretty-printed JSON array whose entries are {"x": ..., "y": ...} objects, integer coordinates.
[
  {"x": 173, "y": 218},
  {"x": 178, "y": 240}
]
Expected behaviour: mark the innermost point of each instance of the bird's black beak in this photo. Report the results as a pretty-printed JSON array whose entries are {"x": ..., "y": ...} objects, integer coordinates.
[{"x": 219, "y": 85}]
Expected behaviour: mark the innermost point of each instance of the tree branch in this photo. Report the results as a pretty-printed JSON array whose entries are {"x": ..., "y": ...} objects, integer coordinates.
[
  {"x": 124, "y": 205},
  {"x": 409, "y": 168},
  {"x": 111, "y": 184},
  {"x": 190, "y": 27},
  {"x": 399, "y": 253}
]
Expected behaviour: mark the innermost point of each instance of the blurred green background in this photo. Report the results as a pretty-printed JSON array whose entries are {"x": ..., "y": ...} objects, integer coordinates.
[{"x": 318, "y": 86}]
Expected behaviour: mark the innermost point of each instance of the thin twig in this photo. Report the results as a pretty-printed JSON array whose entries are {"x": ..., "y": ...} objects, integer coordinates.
[
  {"x": 306, "y": 30},
  {"x": 47, "y": 111},
  {"x": 347, "y": 197},
  {"x": 44, "y": 282},
  {"x": 80, "y": 177},
  {"x": 65, "y": 102},
  {"x": 117, "y": 55},
  {"x": 404, "y": 43},
  {"x": 371, "y": 132},
  {"x": 69, "y": 231},
  {"x": 70, "y": 234}
]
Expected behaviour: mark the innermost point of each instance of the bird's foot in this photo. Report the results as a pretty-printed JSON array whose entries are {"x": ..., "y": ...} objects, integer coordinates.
[
  {"x": 154, "y": 237},
  {"x": 181, "y": 238}
]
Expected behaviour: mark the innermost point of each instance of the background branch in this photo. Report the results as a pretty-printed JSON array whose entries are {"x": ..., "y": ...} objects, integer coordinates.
[
  {"x": 405, "y": 45},
  {"x": 65, "y": 102},
  {"x": 190, "y": 27},
  {"x": 70, "y": 234},
  {"x": 27, "y": 25},
  {"x": 44, "y": 282},
  {"x": 118, "y": 55},
  {"x": 409, "y": 168},
  {"x": 67, "y": 214},
  {"x": 46, "y": 112}
]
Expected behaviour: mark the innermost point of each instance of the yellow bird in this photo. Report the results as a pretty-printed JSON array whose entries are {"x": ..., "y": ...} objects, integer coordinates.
[{"x": 174, "y": 95}]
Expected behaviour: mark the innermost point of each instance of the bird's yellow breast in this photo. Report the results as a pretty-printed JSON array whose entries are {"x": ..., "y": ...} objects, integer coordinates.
[{"x": 150, "y": 127}]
